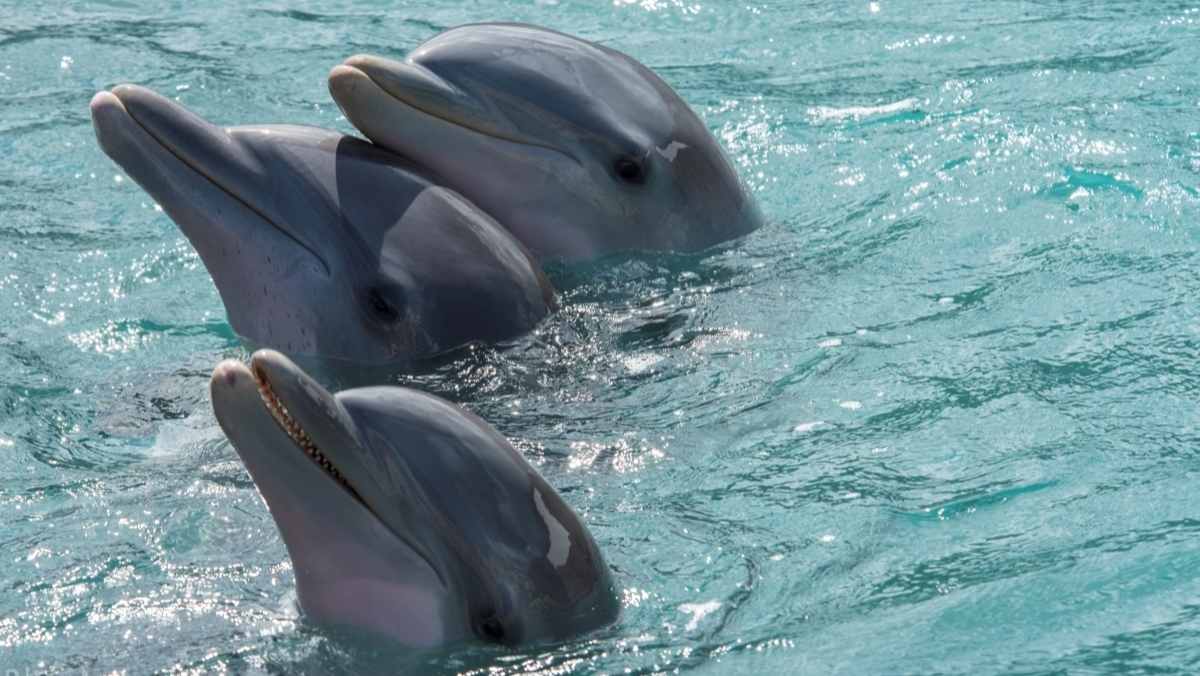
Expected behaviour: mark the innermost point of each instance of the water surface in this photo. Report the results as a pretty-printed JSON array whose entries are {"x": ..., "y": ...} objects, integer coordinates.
[{"x": 938, "y": 417}]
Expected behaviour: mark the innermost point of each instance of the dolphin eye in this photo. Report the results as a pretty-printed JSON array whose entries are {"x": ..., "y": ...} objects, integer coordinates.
[
  {"x": 491, "y": 628},
  {"x": 629, "y": 169},
  {"x": 380, "y": 305}
]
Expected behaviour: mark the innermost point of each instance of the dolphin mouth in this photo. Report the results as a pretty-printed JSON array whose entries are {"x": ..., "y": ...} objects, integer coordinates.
[
  {"x": 295, "y": 432},
  {"x": 425, "y": 92},
  {"x": 171, "y": 126}
]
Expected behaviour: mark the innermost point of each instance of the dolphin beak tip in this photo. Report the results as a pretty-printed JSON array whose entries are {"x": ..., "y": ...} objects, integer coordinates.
[
  {"x": 108, "y": 114},
  {"x": 227, "y": 373},
  {"x": 104, "y": 101},
  {"x": 343, "y": 80},
  {"x": 342, "y": 73},
  {"x": 101, "y": 98}
]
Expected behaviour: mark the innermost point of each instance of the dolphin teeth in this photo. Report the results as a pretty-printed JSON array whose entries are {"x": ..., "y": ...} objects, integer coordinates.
[{"x": 293, "y": 429}]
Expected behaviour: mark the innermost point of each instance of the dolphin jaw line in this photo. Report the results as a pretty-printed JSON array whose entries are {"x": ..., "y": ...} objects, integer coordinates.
[{"x": 285, "y": 420}]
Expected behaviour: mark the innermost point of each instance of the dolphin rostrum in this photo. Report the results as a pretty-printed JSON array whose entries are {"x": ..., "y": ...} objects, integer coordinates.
[
  {"x": 323, "y": 244},
  {"x": 406, "y": 515},
  {"x": 577, "y": 149}
]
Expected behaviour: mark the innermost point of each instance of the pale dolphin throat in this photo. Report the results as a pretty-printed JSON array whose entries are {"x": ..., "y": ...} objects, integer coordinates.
[
  {"x": 406, "y": 515},
  {"x": 575, "y": 148},
  {"x": 323, "y": 244}
]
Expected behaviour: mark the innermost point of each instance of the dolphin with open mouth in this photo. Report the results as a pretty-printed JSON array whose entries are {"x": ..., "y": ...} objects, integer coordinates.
[
  {"x": 323, "y": 244},
  {"x": 406, "y": 515},
  {"x": 577, "y": 149}
]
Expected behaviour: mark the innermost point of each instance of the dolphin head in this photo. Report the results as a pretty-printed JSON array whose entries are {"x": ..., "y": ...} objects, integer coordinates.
[
  {"x": 320, "y": 243},
  {"x": 407, "y": 515},
  {"x": 577, "y": 149}
]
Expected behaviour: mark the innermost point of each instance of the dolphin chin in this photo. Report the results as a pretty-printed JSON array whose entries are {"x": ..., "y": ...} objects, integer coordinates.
[
  {"x": 577, "y": 149},
  {"x": 406, "y": 515},
  {"x": 323, "y": 244}
]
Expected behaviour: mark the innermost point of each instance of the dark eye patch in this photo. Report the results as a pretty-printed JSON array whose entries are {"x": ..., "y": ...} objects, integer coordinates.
[
  {"x": 629, "y": 170},
  {"x": 492, "y": 629},
  {"x": 380, "y": 304}
]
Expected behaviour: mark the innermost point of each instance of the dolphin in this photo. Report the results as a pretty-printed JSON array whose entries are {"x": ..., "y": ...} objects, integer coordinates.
[
  {"x": 323, "y": 244},
  {"x": 577, "y": 149},
  {"x": 406, "y": 515}
]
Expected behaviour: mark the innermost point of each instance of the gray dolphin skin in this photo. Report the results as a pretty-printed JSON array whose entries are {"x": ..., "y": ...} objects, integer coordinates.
[
  {"x": 323, "y": 244},
  {"x": 406, "y": 515},
  {"x": 577, "y": 149}
]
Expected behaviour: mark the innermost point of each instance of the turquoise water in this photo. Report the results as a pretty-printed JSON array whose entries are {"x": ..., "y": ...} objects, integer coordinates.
[{"x": 938, "y": 417}]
